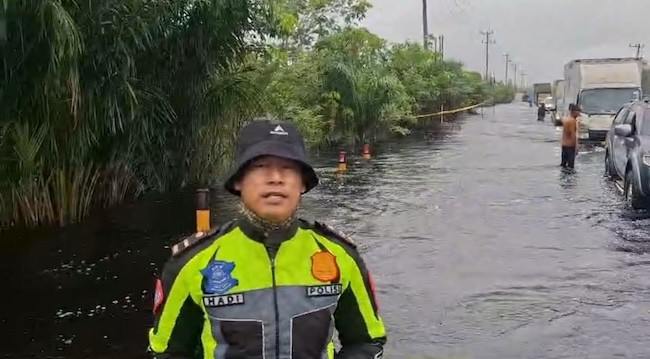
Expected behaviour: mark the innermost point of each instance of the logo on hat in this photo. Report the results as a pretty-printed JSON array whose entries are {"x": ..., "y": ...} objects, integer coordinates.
[{"x": 279, "y": 131}]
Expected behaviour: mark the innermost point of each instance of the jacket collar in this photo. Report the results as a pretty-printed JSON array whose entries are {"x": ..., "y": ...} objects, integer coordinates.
[{"x": 267, "y": 235}]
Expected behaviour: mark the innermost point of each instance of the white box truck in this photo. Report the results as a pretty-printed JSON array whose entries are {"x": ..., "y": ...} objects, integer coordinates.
[
  {"x": 558, "y": 97},
  {"x": 540, "y": 92},
  {"x": 600, "y": 87}
]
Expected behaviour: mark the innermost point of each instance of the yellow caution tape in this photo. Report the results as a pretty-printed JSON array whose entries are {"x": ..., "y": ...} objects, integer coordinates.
[{"x": 452, "y": 111}]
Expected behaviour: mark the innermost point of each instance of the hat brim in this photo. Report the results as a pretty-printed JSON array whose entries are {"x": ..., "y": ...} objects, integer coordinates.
[{"x": 271, "y": 148}]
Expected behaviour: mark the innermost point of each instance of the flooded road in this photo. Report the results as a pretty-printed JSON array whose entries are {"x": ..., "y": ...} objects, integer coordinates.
[{"x": 480, "y": 245}]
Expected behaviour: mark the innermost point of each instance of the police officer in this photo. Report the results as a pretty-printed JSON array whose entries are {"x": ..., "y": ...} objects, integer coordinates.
[{"x": 267, "y": 285}]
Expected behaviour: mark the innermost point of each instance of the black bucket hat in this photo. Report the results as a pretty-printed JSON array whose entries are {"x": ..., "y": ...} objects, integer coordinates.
[{"x": 264, "y": 138}]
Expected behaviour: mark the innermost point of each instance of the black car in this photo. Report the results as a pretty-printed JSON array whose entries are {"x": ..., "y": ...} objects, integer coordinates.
[{"x": 627, "y": 154}]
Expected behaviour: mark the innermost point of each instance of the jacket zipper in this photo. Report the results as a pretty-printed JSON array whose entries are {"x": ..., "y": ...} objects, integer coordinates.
[
  {"x": 277, "y": 312},
  {"x": 272, "y": 251}
]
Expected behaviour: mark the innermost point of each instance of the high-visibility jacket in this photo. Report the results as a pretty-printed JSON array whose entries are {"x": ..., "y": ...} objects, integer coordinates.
[{"x": 247, "y": 293}]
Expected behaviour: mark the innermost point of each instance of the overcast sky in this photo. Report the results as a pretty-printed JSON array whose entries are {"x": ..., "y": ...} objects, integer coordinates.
[{"x": 540, "y": 35}]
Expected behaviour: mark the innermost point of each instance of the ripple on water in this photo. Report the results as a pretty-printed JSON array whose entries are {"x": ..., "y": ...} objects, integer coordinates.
[{"x": 496, "y": 312}]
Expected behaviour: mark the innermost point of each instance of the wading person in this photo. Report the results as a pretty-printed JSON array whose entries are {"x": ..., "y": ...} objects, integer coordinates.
[
  {"x": 570, "y": 137},
  {"x": 267, "y": 285},
  {"x": 541, "y": 112}
]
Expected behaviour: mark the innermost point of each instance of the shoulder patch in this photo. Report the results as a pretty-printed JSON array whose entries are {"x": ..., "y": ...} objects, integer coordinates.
[
  {"x": 327, "y": 229},
  {"x": 196, "y": 238}
]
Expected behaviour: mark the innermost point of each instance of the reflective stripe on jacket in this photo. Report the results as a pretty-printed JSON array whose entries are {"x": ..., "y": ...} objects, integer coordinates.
[{"x": 244, "y": 293}]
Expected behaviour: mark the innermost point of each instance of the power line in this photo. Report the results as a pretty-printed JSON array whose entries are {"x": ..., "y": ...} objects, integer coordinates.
[
  {"x": 487, "y": 42},
  {"x": 638, "y": 49}
]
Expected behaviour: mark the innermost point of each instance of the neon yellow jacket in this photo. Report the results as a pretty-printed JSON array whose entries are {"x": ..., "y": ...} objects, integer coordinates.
[{"x": 245, "y": 293}]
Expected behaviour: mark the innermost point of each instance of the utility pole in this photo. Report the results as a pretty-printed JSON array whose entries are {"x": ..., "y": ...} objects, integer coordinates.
[
  {"x": 507, "y": 65},
  {"x": 514, "y": 83},
  {"x": 523, "y": 80},
  {"x": 638, "y": 49},
  {"x": 487, "y": 42},
  {"x": 441, "y": 42},
  {"x": 425, "y": 25},
  {"x": 432, "y": 39}
]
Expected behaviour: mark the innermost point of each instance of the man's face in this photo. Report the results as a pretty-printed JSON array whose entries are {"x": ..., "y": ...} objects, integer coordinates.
[{"x": 271, "y": 188}]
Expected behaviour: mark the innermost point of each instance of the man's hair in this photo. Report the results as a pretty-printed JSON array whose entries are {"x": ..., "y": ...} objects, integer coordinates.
[{"x": 574, "y": 107}]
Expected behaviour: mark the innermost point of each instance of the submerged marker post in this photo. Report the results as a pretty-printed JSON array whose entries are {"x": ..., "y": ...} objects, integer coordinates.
[
  {"x": 203, "y": 210},
  {"x": 366, "y": 151},
  {"x": 343, "y": 166}
]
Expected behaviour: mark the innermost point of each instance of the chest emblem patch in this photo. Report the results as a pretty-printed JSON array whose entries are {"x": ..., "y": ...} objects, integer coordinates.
[
  {"x": 217, "y": 277},
  {"x": 324, "y": 267}
]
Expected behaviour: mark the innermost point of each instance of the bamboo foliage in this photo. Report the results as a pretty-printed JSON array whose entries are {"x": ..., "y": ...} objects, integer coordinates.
[
  {"x": 101, "y": 100},
  {"x": 71, "y": 191}
]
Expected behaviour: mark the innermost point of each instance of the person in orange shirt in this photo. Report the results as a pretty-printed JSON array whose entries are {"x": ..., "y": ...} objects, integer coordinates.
[{"x": 570, "y": 137}]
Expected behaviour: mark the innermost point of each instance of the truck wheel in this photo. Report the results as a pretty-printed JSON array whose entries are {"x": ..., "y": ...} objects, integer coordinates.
[
  {"x": 632, "y": 194},
  {"x": 610, "y": 171}
]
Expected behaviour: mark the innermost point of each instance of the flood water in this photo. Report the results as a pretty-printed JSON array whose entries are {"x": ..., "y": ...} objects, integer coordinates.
[{"x": 481, "y": 247}]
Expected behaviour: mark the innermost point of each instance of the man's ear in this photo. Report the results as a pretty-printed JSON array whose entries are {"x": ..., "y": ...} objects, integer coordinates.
[{"x": 237, "y": 186}]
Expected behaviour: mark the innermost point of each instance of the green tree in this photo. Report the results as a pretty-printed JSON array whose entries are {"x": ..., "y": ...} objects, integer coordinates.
[
  {"x": 433, "y": 83},
  {"x": 112, "y": 96},
  {"x": 100, "y": 101},
  {"x": 304, "y": 22}
]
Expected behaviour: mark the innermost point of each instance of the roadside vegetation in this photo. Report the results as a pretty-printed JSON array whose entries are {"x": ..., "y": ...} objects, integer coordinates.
[{"x": 101, "y": 101}]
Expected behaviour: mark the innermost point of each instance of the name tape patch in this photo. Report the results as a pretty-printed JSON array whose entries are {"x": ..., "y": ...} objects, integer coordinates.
[
  {"x": 324, "y": 290},
  {"x": 223, "y": 300}
]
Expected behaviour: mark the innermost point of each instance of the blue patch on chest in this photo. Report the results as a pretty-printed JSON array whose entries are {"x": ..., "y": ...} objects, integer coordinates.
[{"x": 217, "y": 277}]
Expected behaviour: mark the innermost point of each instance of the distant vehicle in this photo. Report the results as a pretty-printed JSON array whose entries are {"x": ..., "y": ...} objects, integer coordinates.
[
  {"x": 600, "y": 87},
  {"x": 549, "y": 103},
  {"x": 540, "y": 92},
  {"x": 627, "y": 152},
  {"x": 554, "y": 86},
  {"x": 558, "y": 96}
]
